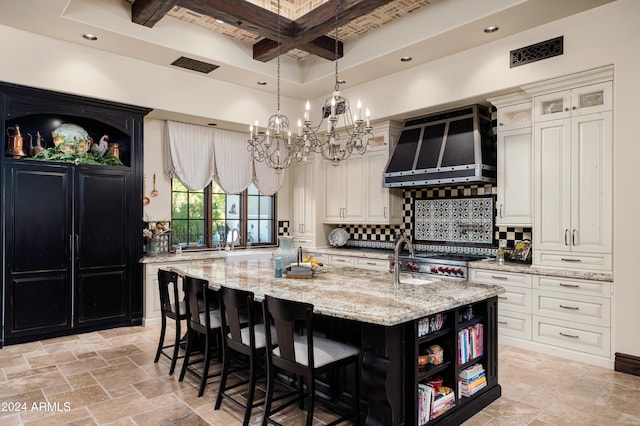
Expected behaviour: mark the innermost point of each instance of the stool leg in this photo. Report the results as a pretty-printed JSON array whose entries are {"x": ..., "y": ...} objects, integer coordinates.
[
  {"x": 223, "y": 378},
  {"x": 205, "y": 367},
  {"x": 176, "y": 347},
  {"x": 269, "y": 395},
  {"x": 185, "y": 361},
  {"x": 163, "y": 330},
  {"x": 356, "y": 392},
  {"x": 311, "y": 391},
  {"x": 252, "y": 389}
]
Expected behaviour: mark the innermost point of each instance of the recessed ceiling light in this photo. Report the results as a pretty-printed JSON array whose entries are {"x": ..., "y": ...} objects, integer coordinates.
[
  {"x": 219, "y": 21},
  {"x": 406, "y": 59},
  {"x": 491, "y": 29},
  {"x": 262, "y": 83},
  {"x": 89, "y": 36},
  {"x": 212, "y": 124}
]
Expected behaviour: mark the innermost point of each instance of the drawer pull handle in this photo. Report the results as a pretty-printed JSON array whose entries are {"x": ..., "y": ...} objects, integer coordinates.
[
  {"x": 372, "y": 263},
  {"x": 503, "y": 297},
  {"x": 573, "y": 336},
  {"x": 569, "y": 260},
  {"x": 569, "y": 285},
  {"x": 573, "y": 308},
  {"x": 502, "y": 322},
  {"x": 498, "y": 277},
  {"x": 340, "y": 260}
]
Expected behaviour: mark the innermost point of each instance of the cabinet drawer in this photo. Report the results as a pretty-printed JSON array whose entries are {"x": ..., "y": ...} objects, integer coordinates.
[
  {"x": 573, "y": 286},
  {"x": 583, "y": 309},
  {"x": 581, "y": 261},
  {"x": 372, "y": 264},
  {"x": 484, "y": 276},
  {"x": 514, "y": 324},
  {"x": 304, "y": 242},
  {"x": 580, "y": 337},
  {"x": 515, "y": 299},
  {"x": 341, "y": 261}
]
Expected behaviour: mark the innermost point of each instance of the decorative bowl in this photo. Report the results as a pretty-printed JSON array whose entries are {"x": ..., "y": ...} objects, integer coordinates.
[
  {"x": 338, "y": 237},
  {"x": 71, "y": 138}
]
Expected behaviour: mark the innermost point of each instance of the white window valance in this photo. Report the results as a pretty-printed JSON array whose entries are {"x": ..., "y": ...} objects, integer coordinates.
[
  {"x": 189, "y": 151},
  {"x": 234, "y": 168},
  {"x": 198, "y": 154}
]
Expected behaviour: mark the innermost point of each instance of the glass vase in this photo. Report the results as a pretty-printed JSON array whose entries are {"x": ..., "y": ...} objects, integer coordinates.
[
  {"x": 286, "y": 250},
  {"x": 152, "y": 248}
]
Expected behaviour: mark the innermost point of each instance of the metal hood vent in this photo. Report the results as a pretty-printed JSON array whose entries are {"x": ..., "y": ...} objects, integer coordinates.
[{"x": 456, "y": 146}]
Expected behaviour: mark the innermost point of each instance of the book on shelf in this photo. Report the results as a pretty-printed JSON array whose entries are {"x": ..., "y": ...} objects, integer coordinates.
[
  {"x": 425, "y": 398},
  {"x": 471, "y": 371},
  {"x": 468, "y": 390},
  {"x": 443, "y": 399}
]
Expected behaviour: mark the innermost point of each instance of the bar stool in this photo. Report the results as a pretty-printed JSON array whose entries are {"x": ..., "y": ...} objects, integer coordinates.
[
  {"x": 203, "y": 320},
  {"x": 173, "y": 308},
  {"x": 244, "y": 341},
  {"x": 303, "y": 355}
]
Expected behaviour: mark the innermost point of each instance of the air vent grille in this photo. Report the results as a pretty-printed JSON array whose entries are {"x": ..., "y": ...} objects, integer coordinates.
[
  {"x": 194, "y": 65},
  {"x": 537, "y": 52}
]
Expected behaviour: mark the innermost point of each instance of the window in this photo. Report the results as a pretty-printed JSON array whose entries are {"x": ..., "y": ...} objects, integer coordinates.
[{"x": 207, "y": 218}]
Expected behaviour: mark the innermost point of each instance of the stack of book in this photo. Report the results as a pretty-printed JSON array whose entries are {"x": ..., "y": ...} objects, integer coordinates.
[
  {"x": 472, "y": 379},
  {"x": 433, "y": 402},
  {"x": 470, "y": 343}
]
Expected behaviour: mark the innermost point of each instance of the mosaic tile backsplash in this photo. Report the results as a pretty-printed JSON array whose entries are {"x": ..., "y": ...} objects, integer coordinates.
[
  {"x": 467, "y": 220},
  {"x": 382, "y": 236}
]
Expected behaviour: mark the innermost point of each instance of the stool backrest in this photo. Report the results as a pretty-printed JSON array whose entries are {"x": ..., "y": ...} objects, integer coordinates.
[
  {"x": 287, "y": 316},
  {"x": 236, "y": 310},
  {"x": 169, "y": 292},
  {"x": 199, "y": 303}
]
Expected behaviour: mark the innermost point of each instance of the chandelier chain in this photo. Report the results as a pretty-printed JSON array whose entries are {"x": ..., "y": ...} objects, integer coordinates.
[
  {"x": 278, "y": 61},
  {"x": 337, "y": 86}
]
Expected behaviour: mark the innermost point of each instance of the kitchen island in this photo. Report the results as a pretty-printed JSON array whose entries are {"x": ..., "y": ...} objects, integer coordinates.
[{"x": 387, "y": 323}]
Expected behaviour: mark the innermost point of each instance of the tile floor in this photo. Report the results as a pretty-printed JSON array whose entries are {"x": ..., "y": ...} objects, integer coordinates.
[{"x": 109, "y": 378}]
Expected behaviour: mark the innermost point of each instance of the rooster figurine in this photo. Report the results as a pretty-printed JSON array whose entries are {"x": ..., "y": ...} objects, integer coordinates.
[{"x": 102, "y": 146}]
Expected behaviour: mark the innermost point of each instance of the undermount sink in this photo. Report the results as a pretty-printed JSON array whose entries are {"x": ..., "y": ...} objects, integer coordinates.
[
  {"x": 414, "y": 281},
  {"x": 247, "y": 255}
]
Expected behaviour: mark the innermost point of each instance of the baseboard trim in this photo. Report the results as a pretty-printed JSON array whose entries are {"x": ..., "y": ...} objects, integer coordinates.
[{"x": 629, "y": 364}]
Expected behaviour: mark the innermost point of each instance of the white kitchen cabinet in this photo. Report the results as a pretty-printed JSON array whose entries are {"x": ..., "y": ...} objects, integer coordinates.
[
  {"x": 514, "y": 199},
  {"x": 570, "y": 317},
  {"x": 344, "y": 198},
  {"x": 573, "y": 314},
  {"x": 574, "y": 102},
  {"x": 304, "y": 183},
  {"x": 573, "y": 189},
  {"x": 353, "y": 189},
  {"x": 573, "y": 169}
]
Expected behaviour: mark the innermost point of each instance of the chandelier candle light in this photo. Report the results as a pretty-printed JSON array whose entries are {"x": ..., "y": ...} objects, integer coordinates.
[
  {"x": 275, "y": 146},
  {"x": 356, "y": 131}
]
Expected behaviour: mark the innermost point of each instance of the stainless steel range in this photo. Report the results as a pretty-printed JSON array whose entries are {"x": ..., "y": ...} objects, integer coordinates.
[{"x": 453, "y": 266}]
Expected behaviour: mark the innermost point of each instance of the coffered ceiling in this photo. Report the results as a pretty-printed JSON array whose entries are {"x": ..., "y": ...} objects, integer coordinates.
[{"x": 373, "y": 39}]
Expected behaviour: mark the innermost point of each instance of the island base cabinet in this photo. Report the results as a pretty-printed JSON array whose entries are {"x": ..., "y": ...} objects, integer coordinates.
[{"x": 461, "y": 375}]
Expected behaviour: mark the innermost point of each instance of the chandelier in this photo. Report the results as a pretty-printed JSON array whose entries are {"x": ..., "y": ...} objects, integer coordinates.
[
  {"x": 341, "y": 137},
  {"x": 275, "y": 145}
]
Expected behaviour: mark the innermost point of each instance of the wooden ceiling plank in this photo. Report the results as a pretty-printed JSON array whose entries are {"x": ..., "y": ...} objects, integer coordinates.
[
  {"x": 150, "y": 12},
  {"x": 244, "y": 15},
  {"x": 322, "y": 20}
]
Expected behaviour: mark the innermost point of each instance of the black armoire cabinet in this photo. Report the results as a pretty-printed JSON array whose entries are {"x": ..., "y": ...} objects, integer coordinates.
[{"x": 71, "y": 234}]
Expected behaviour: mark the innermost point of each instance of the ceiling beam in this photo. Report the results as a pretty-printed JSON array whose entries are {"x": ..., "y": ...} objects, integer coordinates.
[
  {"x": 307, "y": 33},
  {"x": 150, "y": 12}
]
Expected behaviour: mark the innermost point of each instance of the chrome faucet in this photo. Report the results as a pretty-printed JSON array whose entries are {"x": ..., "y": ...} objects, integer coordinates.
[
  {"x": 396, "y": 254},
  {"x": 235, "y": 234}
]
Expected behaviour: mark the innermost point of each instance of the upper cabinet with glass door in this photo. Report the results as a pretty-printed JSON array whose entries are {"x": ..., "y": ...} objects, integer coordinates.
[{"x": 575, "y": 102}]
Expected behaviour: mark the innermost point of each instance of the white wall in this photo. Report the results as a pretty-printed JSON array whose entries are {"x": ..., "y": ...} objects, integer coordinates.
[{"x": 606, "y": 35}]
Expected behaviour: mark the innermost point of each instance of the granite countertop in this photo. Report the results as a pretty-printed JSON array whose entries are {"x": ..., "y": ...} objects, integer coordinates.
[
  {"x": 349, "y": 293},
  {"x": 184, "y": 257},
  {"x": 539, "y": 270}
]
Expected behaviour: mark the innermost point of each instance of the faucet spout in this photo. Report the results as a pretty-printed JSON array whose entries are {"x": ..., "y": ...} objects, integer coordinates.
[
  {"x": 235, "y": 235},
  {"x": 402, "y": 241}
]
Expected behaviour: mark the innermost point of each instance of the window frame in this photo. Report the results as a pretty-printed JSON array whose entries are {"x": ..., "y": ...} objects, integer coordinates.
[{"x": 243, "y": 219}]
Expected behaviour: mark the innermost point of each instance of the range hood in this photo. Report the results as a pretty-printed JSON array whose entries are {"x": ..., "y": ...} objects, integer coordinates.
[{"x": 455, "y": 146}]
